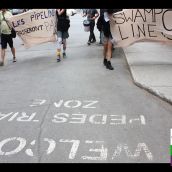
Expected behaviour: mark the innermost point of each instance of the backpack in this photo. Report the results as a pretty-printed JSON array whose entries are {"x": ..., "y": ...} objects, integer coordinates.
[{"x": 99, "y": 23}]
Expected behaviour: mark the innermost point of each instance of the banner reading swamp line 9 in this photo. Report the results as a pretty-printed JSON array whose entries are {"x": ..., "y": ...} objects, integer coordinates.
[
  {"x": 35, "y": 26},
  {"x": 127, "y": 27},
  {"x": 134, "y": 25}
]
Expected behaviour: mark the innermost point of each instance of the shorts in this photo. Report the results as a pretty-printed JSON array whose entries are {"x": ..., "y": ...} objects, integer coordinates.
[
  {"x": 63, "y": 35},
  {"x": 105, "y": 39},
  {"x": 6, "y": 39}
]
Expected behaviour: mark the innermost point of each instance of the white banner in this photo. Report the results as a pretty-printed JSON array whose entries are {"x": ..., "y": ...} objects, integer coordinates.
[
  {"x": 35, "y": 26},
  {"x": 133, "y": 25}
]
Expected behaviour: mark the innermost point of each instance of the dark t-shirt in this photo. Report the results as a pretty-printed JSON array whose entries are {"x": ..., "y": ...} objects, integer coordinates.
[
  {"x": 91, "y": 13},
  {"x": 63, "y": 22}
]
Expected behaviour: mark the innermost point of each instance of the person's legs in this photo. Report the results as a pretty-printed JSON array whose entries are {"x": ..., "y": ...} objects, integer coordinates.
[
  {"x": 109, "y": 55},
  {"x": 104, "y": 54},
  {"x": 109, "y": 50},
  {"x": 3, "y": 47},
  {"x": 2, "y": 57},
  {"x": 14, "y": 54},
  {"x": 91, "y": 32},
  {"x": 59, "y": 43},
  {"x": 93, "y": 36},
  {"x": 100, "y": 37},
  {"x": 64, "y": 47},
  {"x": 10, "y": 42}
]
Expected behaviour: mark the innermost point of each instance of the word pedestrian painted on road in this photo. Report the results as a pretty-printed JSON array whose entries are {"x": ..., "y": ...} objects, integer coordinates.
[
  {"x": 35, "y": 26},
  {"x": 97, "y": 150},
  {"x": 133, "y": 25},
  {"x": 75, "y": 118}
]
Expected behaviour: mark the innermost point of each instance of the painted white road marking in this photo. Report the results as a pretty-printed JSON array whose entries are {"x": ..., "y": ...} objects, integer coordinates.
[
  {"x": 21, "y": 145},
  {"x": 103, "y": 151},
  {"x": 25, "y": 117},
  {"x": 139, "y": 148},
  {"x": 102, "y": 121},
  {"x": 29, "y": 151},
  {"x": 122, "y": 119},
  {"x": 38, "y": 102},
  {"x": 3, "y": 116},
  {"x": 52, "y": 145},
  {"x": 74, "y": 147}
]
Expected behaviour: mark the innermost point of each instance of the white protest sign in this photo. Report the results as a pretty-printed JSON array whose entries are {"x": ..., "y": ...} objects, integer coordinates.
[
  {"x": 133, "y": 25},
  {"x": 35, "y": 26}
]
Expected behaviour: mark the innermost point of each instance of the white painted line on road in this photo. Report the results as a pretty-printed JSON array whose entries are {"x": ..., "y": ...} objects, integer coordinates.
[
  {"x": 103, "y": 152},
  {"x": 21, "y": 145},
  {"x": 74, "y": 148}
]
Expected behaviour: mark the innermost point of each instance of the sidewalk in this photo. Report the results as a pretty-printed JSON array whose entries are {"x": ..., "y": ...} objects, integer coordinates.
[{"x": 151, "y": 67}]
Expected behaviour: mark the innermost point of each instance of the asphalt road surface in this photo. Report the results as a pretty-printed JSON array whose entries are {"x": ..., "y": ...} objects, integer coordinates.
[{"x": 77, "y": 110}]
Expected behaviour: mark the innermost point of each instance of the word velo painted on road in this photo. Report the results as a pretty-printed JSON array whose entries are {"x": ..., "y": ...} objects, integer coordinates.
[
  {"x": 86, "y": 104},
  {"x": 94, "y": 147}
]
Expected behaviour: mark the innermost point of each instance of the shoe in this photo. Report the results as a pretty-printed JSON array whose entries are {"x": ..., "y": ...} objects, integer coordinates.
[
  {"x": 105, "y": 61},
  {"x": 109, "y": 66},
  {"x": 58, "y": 56},
  {"x": 89, "y": 43},
  {"x": 14, "y": 59},
  {"x": 1, "y": 63},
  {"x": 58, "y": 59},
  {"x": 64, "y": 55},
  {"x": 93, "y": 41}
]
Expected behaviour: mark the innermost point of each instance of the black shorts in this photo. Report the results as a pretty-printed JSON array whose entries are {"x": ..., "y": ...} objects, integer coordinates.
[{"x": 6, "y": 39}]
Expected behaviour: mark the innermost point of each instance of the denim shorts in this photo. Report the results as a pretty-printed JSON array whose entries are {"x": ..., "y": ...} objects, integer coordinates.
[
  {"x": 63, "y": 35},
  {"x": 105, "y": 39}
]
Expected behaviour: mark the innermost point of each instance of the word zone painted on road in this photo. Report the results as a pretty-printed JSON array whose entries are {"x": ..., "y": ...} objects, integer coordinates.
[
  {"x": 75, "y": 118},
  {"x": 96, "y": 150}
]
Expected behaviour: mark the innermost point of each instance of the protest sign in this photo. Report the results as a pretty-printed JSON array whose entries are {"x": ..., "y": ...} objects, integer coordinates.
[
  {"x": 133, "y": 25},
  {"x": 35, "y": 26}
]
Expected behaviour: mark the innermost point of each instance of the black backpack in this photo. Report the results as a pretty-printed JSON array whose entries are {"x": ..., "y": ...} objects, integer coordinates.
[{"x": 99, "y": 23}]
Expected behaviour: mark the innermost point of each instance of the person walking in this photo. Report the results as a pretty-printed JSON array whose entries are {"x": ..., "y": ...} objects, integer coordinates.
[
  {"x": 107, "y": 39},
  {"x": 5, "y": 32},
  {"x": 99, "y": 27},
  {"x": 91, "y": 14},
  {"x": 63, "y": 24}
]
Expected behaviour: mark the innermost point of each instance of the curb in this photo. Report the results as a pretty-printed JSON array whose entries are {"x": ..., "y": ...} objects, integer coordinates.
[{"x": 142, "y": 86}]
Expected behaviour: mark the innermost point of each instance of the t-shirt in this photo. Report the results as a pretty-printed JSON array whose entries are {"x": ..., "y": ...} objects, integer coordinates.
[
  {"x": 91, "y": 13},
  {"x": 4, "y": 28}
]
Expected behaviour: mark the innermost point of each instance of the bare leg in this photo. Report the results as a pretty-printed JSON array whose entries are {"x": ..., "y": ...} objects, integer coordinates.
[
  {"x": 64, "y": 47},
  {"x": 14, "y": 54},
  {"x": 3, "y": 55},
  {"x": 105, "y": 50},
  {"x": 109, "y": 51}
]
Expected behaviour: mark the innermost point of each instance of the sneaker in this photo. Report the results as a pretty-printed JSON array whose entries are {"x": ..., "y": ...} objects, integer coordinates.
[
  {"x": 58, "y": 56},
  {"x": 89, "y": 43},
  {"x": 1, "y": 63},
  {"x": 64, "y": 54},
  {"x": 14, "y": 59},
  {"x": 109, "y": 66},
  {"x": 105, "y": 61},
  {"x": 58, "y": 59},
  {"x": 93, "y": 41}
]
